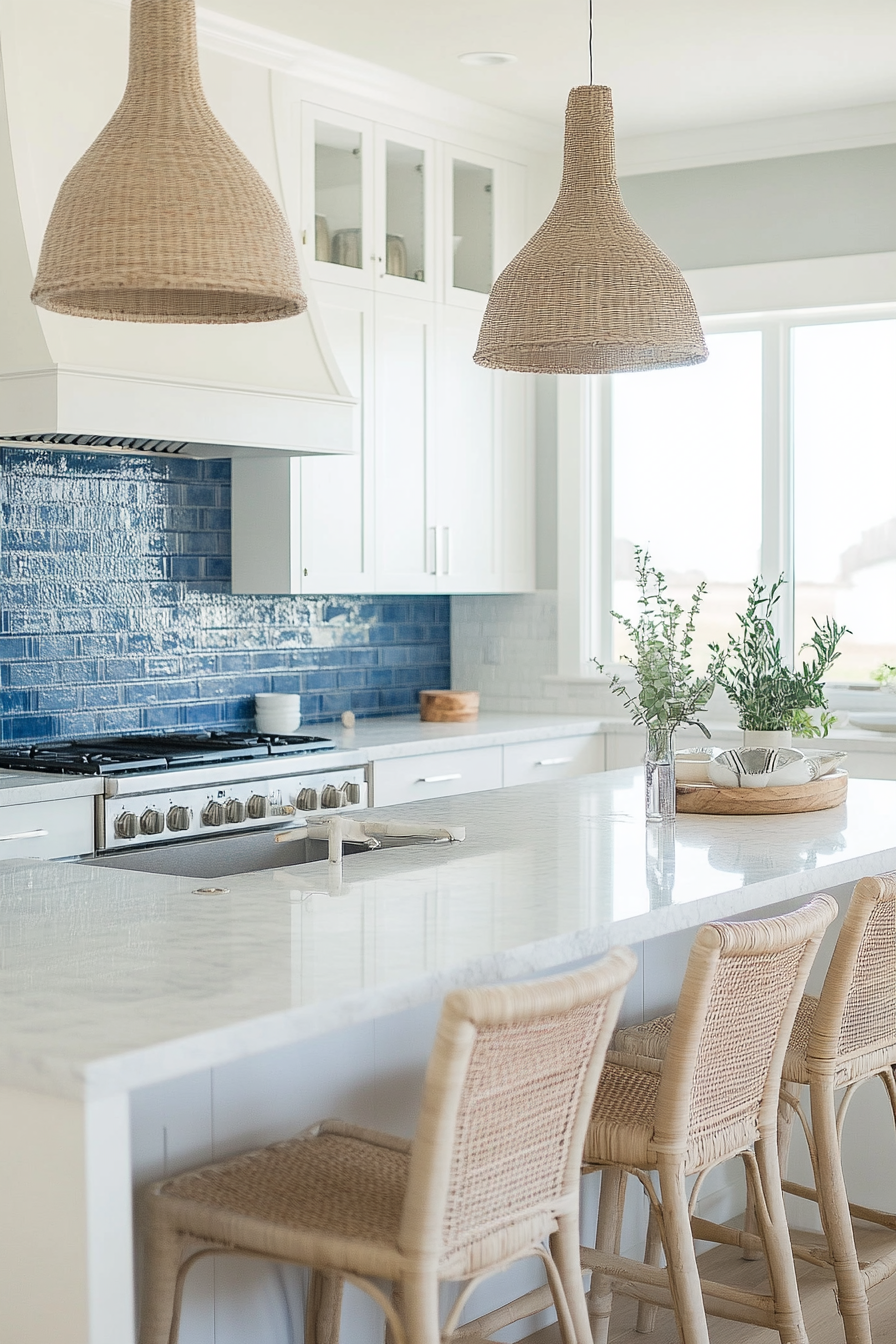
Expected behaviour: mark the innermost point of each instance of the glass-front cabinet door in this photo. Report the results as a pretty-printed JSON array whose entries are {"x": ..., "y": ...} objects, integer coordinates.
[
  {"x": 404, "y": 183},
  {"x": 338, "y": 227},
  {"x": 472, "y": 216}
]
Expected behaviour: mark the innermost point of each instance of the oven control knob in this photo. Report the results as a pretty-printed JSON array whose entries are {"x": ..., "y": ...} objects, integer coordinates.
[
  {"x": 257, "y": 807},
  {"x": 234, "y": 810},
  {"x": 152, "y": 822},
  {"x": 332, "y": 797},
  {"x": 213, "y": 814},
  {"x": 179, "y": 818},
  {"x": 308, "y": 801},
  {"x": 352, "y": 792},
  {"x": 126, "y": 826}
]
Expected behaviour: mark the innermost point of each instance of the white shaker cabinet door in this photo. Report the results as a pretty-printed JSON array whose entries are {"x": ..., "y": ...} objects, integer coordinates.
[
  {"x": 464, "y": 495},
  {"x": 337, "y": 492},
  {"x": 403, "y": 358}
]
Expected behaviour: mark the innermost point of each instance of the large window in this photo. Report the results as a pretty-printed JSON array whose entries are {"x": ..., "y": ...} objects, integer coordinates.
[
  {"x": 844, "y": 492},
  {"x": 687, "y": 479},
  {"x": 777, "y": 455}
]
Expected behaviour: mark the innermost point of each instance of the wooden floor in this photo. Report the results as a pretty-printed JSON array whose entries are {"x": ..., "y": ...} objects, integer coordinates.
[{"x": 724, "y": 1264}]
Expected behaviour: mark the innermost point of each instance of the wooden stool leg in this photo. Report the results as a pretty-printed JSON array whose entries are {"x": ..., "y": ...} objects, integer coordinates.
[
  {"x": 833, "y": 1205},
  {"x": 764, "y": 1174},
  {"x": 421, "y": 1309},
  {"x": 323, "y": 1311},
  {"x": 653, "y": 1254},
  {"x": 681, "y": 1257},
  {"x": 609, "y": 1235},
  {"x": 565, "y": 1254},
  {"x": 168, "y": 1257}
]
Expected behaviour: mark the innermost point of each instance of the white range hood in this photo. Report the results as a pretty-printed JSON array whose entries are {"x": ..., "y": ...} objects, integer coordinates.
[{"x": 198, "y": 391}]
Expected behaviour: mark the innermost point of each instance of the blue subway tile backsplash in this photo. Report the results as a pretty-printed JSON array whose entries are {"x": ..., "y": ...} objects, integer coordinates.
[{"x": 117, "y": 615}]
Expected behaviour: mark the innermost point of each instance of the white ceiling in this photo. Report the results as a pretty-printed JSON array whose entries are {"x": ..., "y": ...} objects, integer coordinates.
[{"x": 672, "y": 64}]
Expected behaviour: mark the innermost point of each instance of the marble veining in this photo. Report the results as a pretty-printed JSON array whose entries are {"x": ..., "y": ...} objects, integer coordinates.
[{"x": 113, "y": 980}]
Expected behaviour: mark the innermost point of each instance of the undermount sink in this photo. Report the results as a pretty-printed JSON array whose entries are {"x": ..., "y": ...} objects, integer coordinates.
[{"x": 241, "y": 853}]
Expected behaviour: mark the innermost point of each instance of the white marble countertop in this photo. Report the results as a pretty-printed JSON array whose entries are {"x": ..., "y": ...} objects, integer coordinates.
[
  {"x": 33, "y": 786},
  {"x": 407, "y": 735},
  {"x": 369, "y": 740},
  {"x": 110, "y": 980}
]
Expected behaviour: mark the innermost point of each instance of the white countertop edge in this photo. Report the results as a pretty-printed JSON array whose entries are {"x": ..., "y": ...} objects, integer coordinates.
[
  {"x": 32, "y": 786},
  {"x": 223, "y": 1045}
]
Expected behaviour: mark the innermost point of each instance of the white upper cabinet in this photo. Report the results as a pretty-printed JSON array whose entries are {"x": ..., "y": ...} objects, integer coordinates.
[
  {"x": 403, "y": 363},
  {"x": 402, "y": 235}
]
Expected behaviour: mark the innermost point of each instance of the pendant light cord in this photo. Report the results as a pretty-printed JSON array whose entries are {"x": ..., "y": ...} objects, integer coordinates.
[{"x": 590, "y": 41}]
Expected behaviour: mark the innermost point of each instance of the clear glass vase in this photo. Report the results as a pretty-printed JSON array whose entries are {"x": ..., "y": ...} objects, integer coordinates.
[{"x": 659, "y": 774}]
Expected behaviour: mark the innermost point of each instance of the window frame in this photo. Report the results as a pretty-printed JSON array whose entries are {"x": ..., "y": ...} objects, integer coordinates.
[{"x": 777, "y": 450}]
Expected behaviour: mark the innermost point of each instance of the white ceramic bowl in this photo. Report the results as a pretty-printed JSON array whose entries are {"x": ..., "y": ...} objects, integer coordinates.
[
  {"x": 770, "y": 767},
  {"x": 692, "y": 766},
  {"x": 276, "y": 700}
]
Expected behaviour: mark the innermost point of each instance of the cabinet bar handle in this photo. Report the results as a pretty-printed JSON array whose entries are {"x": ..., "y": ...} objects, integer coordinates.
[
  {"x": 437, "y": 779},
  {"x": 555, "y": 760},
  {"x": 30, "y": 835},
  {"x": 446, "y": 550},
  {"x": 432, "y": 547}
]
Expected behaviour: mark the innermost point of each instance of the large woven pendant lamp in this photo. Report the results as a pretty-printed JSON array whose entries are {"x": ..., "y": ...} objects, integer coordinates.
[
  {"x": 164, "y": 219},
  {"x": 590, "y": 293}
]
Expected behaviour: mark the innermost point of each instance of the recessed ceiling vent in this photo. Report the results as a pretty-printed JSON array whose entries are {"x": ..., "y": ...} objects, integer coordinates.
[{"x": 98, "y": 441}]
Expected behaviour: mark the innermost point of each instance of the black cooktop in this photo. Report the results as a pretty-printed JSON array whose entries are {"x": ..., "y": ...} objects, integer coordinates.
[{"x": 130, "y": 755}]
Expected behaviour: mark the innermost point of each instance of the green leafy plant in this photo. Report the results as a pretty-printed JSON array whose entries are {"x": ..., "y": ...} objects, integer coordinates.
[
  {"x": 885, "y": 676},
  {"x": 769, "y": 695},
  {"x": 670, "y": 693}
]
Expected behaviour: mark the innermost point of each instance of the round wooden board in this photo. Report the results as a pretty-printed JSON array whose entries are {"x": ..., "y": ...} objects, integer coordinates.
[{"x": 829, "y": 791}]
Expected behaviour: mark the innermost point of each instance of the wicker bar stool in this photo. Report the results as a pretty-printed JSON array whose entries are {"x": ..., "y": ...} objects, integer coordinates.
[
  {"x": 840, "y": 1040},
  {"x": 491, "y": 1175},
  {"x": 715, "y": 1098}
]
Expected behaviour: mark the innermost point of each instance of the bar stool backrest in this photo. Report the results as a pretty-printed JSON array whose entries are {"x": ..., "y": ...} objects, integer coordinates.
[
  {"x": 856, "y": 1010},
  {"x": 506, "y": 1103},
  {"x": 737, "y": 1006}
]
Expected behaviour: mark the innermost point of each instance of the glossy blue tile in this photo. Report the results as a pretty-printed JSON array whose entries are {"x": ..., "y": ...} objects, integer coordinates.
[{"x": 116, "y": 613}]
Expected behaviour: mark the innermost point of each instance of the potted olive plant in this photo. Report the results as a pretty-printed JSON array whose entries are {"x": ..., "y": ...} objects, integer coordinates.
[
  {"x": 669, "y": 692},
  {"x": 773, "y": 700}
]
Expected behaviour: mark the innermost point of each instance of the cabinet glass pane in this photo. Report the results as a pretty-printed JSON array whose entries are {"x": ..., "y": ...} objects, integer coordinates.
[
  {"x": 687, "y": 483},
  {"x": 405, "y": 223},
  {"x": 844, "y": 439},
  {"x": 337, "y": 195},
  {"x": 473, "y": 212}
]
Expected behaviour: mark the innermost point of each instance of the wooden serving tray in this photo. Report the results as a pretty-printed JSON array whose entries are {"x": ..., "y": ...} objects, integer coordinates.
[{"x": 829, "y": 791}]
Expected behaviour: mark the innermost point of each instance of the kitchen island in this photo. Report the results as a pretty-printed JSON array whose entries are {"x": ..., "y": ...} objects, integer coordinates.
[{"x": 148, "y": 1025}]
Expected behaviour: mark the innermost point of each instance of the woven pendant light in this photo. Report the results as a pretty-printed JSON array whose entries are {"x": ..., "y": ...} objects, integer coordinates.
[
  {"x": 164, "y": 219},
  {"x": 590, "y": 293}
]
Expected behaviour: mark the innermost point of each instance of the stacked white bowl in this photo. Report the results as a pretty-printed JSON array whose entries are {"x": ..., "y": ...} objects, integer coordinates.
[{"x": 277, "y": 713}]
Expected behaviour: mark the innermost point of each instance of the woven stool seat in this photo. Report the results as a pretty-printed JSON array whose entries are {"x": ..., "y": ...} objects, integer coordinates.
[
  {"x": 350, "y": 1187},
  {"x": 491, "y": 1176},
  {"x": 840, "y": 1039}
]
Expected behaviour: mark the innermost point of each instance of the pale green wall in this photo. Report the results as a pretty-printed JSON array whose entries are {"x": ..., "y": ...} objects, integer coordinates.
[{"x": 809, "y": 205}]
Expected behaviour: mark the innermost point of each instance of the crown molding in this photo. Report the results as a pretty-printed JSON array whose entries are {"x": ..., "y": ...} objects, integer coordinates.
[{"x": 779, "y": 137}]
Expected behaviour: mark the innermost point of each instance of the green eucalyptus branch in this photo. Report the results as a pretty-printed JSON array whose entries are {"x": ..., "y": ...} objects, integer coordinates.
[
  {"x": 751, "y": 671},
  {"x": 669, "y": 692}
]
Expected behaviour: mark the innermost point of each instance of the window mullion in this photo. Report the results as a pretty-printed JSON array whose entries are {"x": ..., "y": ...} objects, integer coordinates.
[{"x": 777, "y": 474}]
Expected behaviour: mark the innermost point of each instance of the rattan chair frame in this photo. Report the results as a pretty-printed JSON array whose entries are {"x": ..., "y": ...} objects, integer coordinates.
[
  {"x": 841, "y": 1041},
  {"x": 702, "y": 1118},
  {"x": 442, "y": 1233},
  {"x": 673, "y": 1146}
]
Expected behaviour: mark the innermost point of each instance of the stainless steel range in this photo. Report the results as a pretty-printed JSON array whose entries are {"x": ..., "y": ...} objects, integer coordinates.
[{"x": 162, "y": 791}]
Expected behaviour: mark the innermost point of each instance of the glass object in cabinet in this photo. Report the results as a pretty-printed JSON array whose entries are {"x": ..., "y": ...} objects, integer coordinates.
[
  {"x": 405, "y": 211},
  {"x": 473, "y": 226},
  {"x": 338, "y": 198}
]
